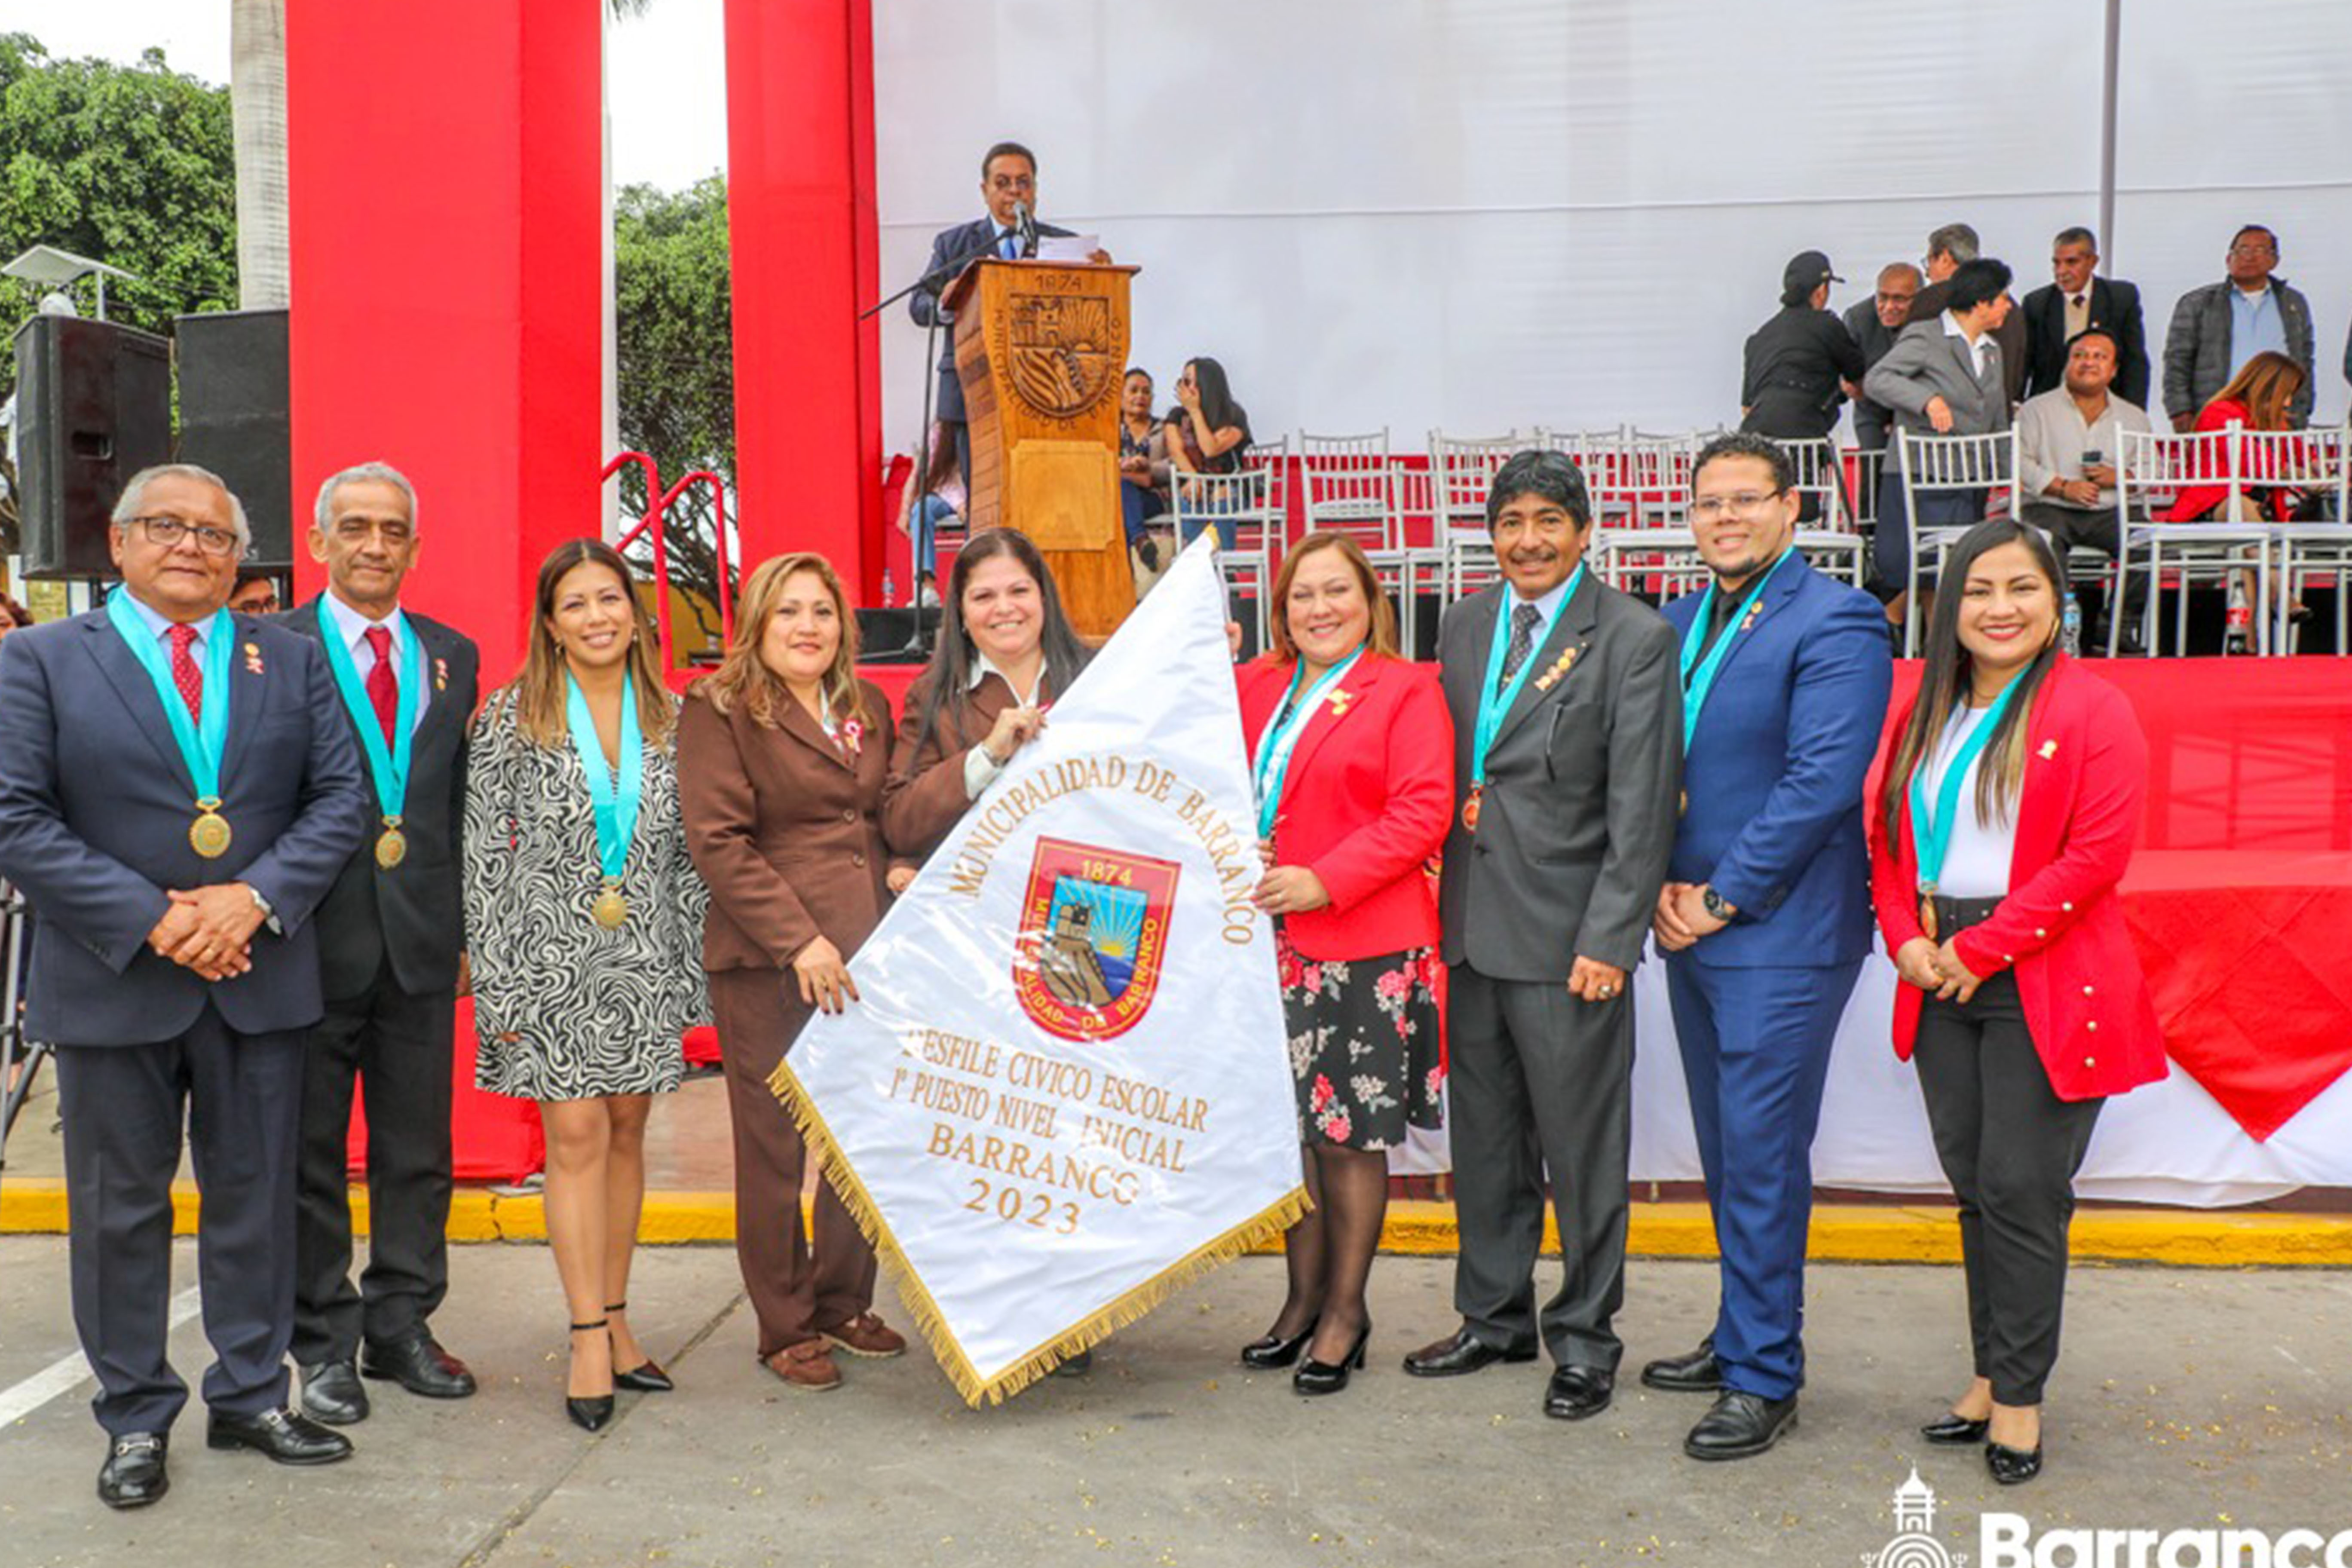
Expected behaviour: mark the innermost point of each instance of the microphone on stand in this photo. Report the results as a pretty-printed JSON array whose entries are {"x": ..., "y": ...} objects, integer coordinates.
[{"x": 1025, "y": 224}]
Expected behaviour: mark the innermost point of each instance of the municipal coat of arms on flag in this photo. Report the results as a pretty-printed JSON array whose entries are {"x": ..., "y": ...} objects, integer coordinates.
[{"x": 1066, "y": 1088}]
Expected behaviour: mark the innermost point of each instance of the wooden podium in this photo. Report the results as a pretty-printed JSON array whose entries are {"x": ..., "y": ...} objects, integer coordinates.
[{"x": 1041, "y": 349}]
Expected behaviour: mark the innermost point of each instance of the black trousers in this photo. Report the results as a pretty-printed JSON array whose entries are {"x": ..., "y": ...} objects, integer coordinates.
[
  {"x": 240, "y": 1097},
  {"x": 1541, "y": 1082},
  {"x": 398, "y": 1048},
  {"x": 2010, "y": 1147}
]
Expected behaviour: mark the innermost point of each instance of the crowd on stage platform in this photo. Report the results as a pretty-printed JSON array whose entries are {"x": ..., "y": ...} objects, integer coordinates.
[{"x": 267, "y": 854}]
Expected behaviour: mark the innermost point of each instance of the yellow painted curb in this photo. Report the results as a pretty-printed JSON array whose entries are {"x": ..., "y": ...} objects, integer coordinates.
[{"x": 1842, "y": 1232}]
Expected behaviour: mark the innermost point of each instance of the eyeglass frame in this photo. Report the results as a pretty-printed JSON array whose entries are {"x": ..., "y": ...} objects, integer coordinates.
[
  {"x": 1742, "y": 504},
  {"x": 181, "y": 527}
]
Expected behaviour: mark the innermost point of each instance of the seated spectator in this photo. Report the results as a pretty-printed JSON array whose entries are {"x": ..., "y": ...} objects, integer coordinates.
[
  {"x": 1873, "y": 324},
  {"x": 933, "y": 496},
  {"x": 1949, "y": 249},
  {"x": 2262, "y": 396},
  {"x": 1207, "y": 433},
  {"x": 2074, "y": 300},
  {"x": 2066, "y": 444},
  {"x": 1143, "y": 481},
  {"x": 2217, "y": 328}
]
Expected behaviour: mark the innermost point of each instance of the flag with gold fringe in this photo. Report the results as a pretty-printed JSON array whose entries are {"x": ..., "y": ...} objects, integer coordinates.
[{"x": 1066, "y": 1088}]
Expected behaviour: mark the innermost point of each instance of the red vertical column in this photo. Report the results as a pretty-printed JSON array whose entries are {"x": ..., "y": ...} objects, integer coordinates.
[
  {"x": 446, "y": 184},
  {"x": 804, "y": 240}
]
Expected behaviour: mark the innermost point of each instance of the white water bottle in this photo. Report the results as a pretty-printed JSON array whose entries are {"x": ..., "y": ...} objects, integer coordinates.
[{"x": 2070, "y": 634}]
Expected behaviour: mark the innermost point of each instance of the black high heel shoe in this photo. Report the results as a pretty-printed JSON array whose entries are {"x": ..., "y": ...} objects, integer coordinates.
[
  {"x": 2012, "y": 1466},
  {"x": 589, "y": 1415},
  {"x": 1955, "y": 1430},
  {"x": 1267, "y": 1353},
  {"x": 1314, "y": 1377},
  {"x": 646, "y": 1376}
]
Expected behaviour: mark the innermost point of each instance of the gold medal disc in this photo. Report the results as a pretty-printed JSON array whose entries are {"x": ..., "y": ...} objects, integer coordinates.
[
  {"x": 610, "y": 910},
  {"x": 209, "y": 835},
  {"x": 1470, "y": 809},
  {"x": 391, "y": 846},
  {"x": 1927, "y": 922}
]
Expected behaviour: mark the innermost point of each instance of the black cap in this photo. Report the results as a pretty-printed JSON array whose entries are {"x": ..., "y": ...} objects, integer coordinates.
[{"x": 1807, "y": 270}]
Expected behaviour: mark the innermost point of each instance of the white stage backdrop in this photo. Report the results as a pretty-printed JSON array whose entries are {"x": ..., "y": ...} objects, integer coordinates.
[{"x": 1477, "y": 215}]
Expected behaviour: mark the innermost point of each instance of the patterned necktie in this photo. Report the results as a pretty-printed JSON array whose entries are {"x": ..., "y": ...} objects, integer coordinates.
[
  {"x": 382, "y": 684},
  {"x": 1524, "y": 621},
  {"x": 185, "y": 673}
]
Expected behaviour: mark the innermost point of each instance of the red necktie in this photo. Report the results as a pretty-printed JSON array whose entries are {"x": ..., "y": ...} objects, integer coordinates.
[
  {"x": 383, "y": 685},
  {"x": 185, "y": 673}
]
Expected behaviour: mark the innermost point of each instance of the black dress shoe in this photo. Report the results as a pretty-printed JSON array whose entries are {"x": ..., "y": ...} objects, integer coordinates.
[
  {"x": 2012, "y": 1466},
  {"x": 133, "y": 1475},
  {"x": 331, "y": 1394},
  {"x": 418, "y": 1365},
  {"x": 1576, "y": 1392},
  {"x": 1458, "y": 1353},
  {"x": 288, "y": 1439},
  {"x": 646, "y": 1376},
  {"x": 1740, "y": 1425},
  {"x": 1078, "y": 1366},
  {"x": 1697, "y": 1372},
  {"x": 1267, "y": 1353},
  {"x": 1956, "y": 1431},
  {"x": 1317, "y": 1377}
]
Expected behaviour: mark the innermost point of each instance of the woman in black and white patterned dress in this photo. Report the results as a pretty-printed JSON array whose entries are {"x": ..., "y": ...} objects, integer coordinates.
[{"x": 584, "y": 917}]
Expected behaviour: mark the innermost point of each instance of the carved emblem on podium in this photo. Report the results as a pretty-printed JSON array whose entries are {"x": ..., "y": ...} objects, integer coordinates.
[{"x": 1062, "y": 358}]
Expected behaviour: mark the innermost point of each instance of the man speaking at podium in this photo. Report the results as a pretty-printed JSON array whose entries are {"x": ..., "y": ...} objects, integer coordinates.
[{"x": 1008, "y": 184}]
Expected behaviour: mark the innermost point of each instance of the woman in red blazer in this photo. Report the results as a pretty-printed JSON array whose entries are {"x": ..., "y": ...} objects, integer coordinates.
[
  {"x": 2008, "y": 799},
  {"x": 1353, "y": 754}
]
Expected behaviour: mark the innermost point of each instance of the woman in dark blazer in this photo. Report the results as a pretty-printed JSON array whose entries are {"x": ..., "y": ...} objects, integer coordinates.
[
  {"x": 1352, "y": 751},
  {"x": 1006, "y": 651},
  {"x": 781, "y": 754},
  {"x": 2022, "y": 1004}
]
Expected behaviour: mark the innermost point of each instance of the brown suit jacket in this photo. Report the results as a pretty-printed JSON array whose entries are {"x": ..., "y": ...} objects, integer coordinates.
[
  {"x": 1929, "y": 303},
  {"x": 785, "y": 831},
  {"x": 924, "y": 797}
]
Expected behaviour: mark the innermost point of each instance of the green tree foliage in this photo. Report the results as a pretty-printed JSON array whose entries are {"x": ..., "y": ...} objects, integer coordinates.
[
  {"x": 131, "y": 165},
  {"x": 676, "y": 365}
]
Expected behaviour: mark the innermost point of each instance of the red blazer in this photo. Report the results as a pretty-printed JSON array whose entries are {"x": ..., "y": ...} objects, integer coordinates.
[
  {"x": 2061, "y": 926},
  {"x": 2196, "y": 503},
  {"x": 1365, "y": 804}
]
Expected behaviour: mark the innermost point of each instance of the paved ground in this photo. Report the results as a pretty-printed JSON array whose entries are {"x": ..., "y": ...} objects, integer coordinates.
[{"x": 2187, "y": 1399}]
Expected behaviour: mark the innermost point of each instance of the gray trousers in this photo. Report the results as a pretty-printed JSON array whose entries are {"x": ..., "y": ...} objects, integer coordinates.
[{"x": 1541, "y": 1082}]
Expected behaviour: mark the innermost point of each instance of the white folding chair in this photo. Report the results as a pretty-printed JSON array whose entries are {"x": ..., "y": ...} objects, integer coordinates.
[
  {"x": 2152, "y": 468},
  {"x": 2314, "y": 463},
  {"x": 1462, "y": 471},
  {"x": 1255, "y": 499},
  {"x": 1350, "y": 487},
  {"x": 1641, "y": 506},
  {"x": 1942, "y": 464},
  {"x": 1832, "y": 541}
]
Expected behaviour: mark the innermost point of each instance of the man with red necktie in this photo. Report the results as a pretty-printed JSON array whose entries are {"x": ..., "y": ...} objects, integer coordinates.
[
  {"x": 175, "y": 799},
  {"x": 389, "y": 957}
]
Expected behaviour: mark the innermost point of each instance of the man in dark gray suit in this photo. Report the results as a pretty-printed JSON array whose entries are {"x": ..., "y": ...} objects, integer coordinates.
[
  {"x": 177, "y": 793},
  {"x": 1008, "y": 184},
  {"x": 1568, "y": 757},
  {"x": 1875, "y": 322}
]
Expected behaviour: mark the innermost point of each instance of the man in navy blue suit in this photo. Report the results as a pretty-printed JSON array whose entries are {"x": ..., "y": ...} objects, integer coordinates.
[
  {"x": 1765, "y": 916},
  {"x": 1008, "y": 184},
  {"x": 178, "y": 791}
]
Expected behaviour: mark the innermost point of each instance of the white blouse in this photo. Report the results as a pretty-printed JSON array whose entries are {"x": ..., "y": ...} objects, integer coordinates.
[{"x": 1977, "y": 864}]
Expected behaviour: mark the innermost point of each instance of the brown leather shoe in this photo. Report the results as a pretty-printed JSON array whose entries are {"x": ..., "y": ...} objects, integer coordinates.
[
  {"x": 866, "y": 1335},
  {"x": 807, "y": 1366}
]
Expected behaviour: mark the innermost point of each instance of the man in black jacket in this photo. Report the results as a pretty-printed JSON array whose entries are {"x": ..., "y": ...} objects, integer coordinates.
[
  {"x": 1874, "y": 323},
  {"x": 2075, "y": 301},
  {"x": 390, "y": 952}
]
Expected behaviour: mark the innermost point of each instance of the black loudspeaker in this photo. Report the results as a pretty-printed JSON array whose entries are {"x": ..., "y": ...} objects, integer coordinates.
[
  {"x": 233, "y": 420},
  {"x": 896, "y": 637},
  {"x": 93, "y": 407}
]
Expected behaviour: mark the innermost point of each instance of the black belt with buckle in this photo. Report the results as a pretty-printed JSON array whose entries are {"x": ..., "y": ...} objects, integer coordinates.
[{"x": 1954, "y": 916}]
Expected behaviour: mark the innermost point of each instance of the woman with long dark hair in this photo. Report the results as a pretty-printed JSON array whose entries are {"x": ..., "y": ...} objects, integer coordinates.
[
  {"x": 1352, "y": 751},
  {"x": 781, "y": 754},
  {"x": 1208, "y": 433},
  {"x": 934, "y": 494},
  {"x": 1006, "y": 651},
  {"x": 2007, "y": 805},
  {"x": 583, "y": 921}
]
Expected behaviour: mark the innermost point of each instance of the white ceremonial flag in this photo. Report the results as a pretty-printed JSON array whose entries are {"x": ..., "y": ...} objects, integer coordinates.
[{"x": 1066, "y": 1088}]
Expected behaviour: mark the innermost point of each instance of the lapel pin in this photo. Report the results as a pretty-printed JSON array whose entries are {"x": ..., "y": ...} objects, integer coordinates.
[
  {"x": 440, "y": 675},
  {"x": 1747, "y": 621},
  {"x": 2049, "y": 750},
  {"x": 1340, "y": 701},
  {"x": 1558, "y": 670},
  {"x": 253, "y": 659}
]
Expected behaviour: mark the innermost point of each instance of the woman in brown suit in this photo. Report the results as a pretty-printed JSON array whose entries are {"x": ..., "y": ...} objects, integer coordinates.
[
  {"x": 1006, "y": 652},
  {"x": 782, "y": 754}
]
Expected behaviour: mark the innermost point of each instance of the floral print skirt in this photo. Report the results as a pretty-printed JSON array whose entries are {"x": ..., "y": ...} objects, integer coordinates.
[{"x": 1363, "y": 1045}]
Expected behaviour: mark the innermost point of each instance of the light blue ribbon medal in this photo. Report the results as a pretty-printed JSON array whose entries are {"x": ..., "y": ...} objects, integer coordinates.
[
  {"x": 1281, "y": 738},
  {"x": 1931, "y": 834},
  {"x": 388, "y": 764},
  {"x": 613, "y": 791},
  {"x": 1494, "y": 704},
  {"x": 201, "y": 742}
]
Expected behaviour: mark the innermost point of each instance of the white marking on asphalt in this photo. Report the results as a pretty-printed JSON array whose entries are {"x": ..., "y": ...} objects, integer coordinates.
[{"x": 69, "y": 1372}]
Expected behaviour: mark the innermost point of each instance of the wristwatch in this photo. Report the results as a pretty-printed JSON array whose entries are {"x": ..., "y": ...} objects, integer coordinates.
[{"x": 1717, "y": 907}]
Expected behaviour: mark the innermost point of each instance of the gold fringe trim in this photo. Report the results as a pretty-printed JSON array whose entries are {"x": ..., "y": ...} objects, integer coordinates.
[{"x": 932, "y": 1323}]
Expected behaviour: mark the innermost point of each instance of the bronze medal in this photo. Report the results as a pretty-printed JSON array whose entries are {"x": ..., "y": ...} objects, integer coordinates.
[
  {"x": 209, "y": 835},
  {"x": 1470, "y": 809},
  {"x": 610, "y": 910},
  {"x": 1927, "y": 922},
  {"x": 390, "y": 845}
]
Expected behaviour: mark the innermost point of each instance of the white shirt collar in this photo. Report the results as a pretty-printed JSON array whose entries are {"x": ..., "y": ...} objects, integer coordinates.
[
  {"x": 161, "y": 624},
  {"x": 355, "y": 626},
  {"x": 1548, "y": 603},
  {"x": 983, "y": 666}
]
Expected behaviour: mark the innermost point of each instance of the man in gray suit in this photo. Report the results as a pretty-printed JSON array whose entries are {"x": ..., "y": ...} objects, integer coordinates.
[
  {"x": 1568, "y": 762},
  {"x": 1944, "y": 376},
  {"x": 1875, "y": 322},
  {"x": 2218, "y": 327}
]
